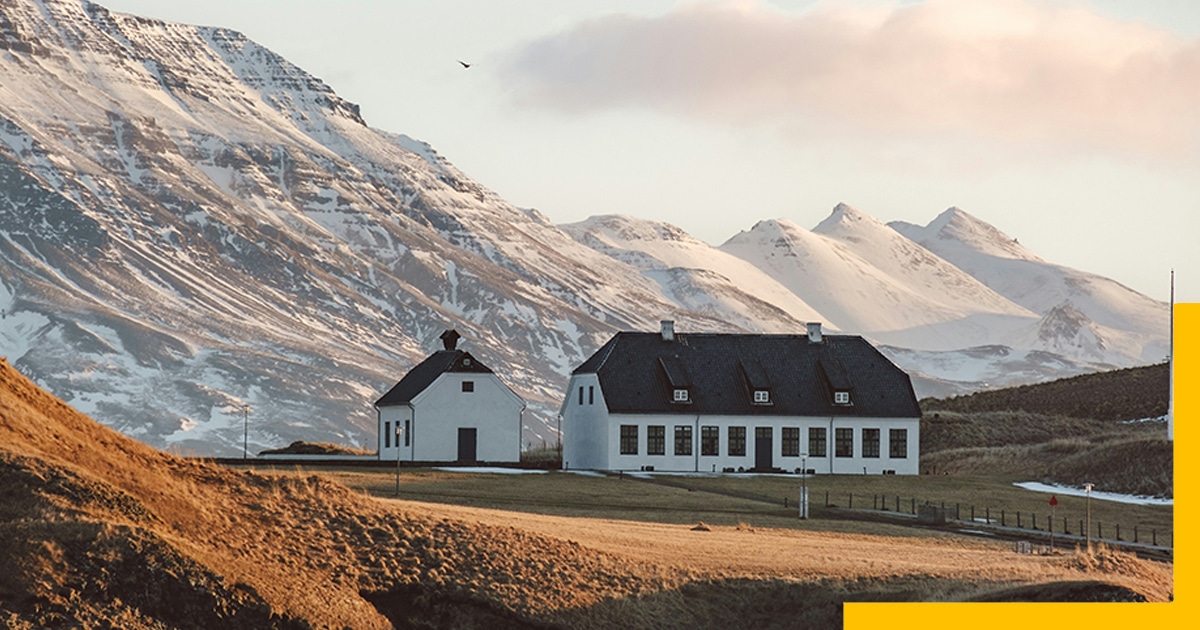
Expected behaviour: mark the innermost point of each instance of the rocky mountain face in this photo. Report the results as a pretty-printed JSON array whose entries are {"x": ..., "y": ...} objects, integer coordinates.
[{"x": 196, "y": 236}]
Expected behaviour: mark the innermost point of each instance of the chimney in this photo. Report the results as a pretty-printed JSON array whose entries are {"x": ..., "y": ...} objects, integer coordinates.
[
  {"x": 450, "y": 339},
  {"x": 668, "y": 330},
  {"x": 814, "y": 332}
]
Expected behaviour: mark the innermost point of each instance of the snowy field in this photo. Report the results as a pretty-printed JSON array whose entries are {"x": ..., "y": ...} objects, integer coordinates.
[{"x": 1101, "y": 496}]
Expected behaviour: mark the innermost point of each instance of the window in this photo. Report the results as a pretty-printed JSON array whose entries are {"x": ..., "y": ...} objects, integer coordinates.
[
  {"x": 710, "y": 441},
  {"x": 841, "y": 398},
  {"x": 898, "y": 443},
  {"x": 844, "y": 446},
  {"x": 581, "y": 394},
  {"x": 591, "y": 394},
  {"x": 656, "y": 440},
  {"x": 791, "y": 442},
  {"x": 816, "y": 441},
  {"x": 406, "y": 442},
  {"x": 629, "y": 439},
  {"x": 737, "y": 441},
  {"x": 468, "y": 386},
  {"x": 683, "y": 440},
  {"x": 870, "y": 447},
  {"x": 387, "y": 435},
  {"x": 762, "y": 397},
  {"x": 681, "y": 395}
]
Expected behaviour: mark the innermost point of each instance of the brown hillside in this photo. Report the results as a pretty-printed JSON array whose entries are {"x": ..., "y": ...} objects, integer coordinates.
[
  {"x": 100, "y": 529},
  {"x": 1128, "y": 394}
]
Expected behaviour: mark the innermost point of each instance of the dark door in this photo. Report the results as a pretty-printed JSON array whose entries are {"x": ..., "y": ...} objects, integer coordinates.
[
  {"x": 466, "y": 445},
  {"x": 762, "y": 448}
]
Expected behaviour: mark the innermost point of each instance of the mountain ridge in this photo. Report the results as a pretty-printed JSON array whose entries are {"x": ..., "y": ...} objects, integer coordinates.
[{"x": 203, "y": 228}]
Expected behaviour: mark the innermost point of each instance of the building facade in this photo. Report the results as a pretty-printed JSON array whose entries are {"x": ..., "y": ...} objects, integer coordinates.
[
  {"x": 450, "y": 408},
  {"x": 725, "y": 403}
]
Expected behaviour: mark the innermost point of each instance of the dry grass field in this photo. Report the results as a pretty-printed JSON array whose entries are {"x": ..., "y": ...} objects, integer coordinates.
[{"x": 98, "y": 530}]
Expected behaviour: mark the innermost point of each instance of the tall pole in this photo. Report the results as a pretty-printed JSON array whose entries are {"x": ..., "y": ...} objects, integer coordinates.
[
  {"x": 245, "y": 431},
  {"x": 399, "y": 431},
  {"x": 1087, "y": 487},
  {"x": 1171, "y": 377},
  {"x": 804, "y": 486}
]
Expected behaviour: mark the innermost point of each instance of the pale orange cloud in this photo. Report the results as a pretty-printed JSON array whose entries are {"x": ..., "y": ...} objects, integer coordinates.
[{"x": 1020, "y": 73}]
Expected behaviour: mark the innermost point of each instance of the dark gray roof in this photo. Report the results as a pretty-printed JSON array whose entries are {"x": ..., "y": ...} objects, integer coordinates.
[
  {"x": 427, "y": 371},
  {"x": 636, "y": 375}
]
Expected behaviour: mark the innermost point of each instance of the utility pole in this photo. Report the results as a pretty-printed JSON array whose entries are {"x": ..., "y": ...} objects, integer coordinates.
[{"x": 245, "y": 431}]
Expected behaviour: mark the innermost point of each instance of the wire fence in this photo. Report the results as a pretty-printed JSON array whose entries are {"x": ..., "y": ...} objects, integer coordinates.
[{"x": 1023, "y": 520}]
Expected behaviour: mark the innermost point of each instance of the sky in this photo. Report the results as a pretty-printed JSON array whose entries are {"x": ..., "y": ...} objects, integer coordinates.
[{"x": 1073, "y": 126}]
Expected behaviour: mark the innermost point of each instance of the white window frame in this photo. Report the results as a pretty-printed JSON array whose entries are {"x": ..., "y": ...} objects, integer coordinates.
[
  {"x": 841, "y": 398},
  {"x": 762, "y": 397},
  {"x": 681, "y": 395}
]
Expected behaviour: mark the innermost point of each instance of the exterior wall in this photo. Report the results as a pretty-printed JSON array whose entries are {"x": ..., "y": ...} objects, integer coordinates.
[
  {"x": 492, "y": 409},
  {"x": 609, "y": 446},
  {"x": 585, "y": 424}
]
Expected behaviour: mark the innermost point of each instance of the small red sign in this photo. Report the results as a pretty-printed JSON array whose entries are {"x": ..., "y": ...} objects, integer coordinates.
[{"x": 1053, "y": 500}]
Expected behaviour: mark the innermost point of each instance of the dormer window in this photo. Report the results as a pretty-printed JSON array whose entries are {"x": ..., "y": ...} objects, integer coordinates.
[
  {"x": 681, "y": 395},
  {"x": 762, "y": 397},
  {"x": 841, "y": 398}
]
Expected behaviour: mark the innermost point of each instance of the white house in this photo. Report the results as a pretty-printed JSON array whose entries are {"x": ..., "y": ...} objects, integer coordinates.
[
  {"x": 450, "y": 408},
  {"x": 718, "y": 402}
]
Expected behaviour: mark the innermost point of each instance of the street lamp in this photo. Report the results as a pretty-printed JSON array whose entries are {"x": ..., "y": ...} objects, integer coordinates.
[
  {"x": 399, "y": 431},
  {"x": 1087, "y": 487},
  {"x": 803, "y": 486}
]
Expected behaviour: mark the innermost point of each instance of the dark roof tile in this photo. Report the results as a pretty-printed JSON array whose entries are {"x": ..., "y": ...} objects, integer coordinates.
[
  {"x": 427, "y": 371},
  {"x": 717, "y": 369}
]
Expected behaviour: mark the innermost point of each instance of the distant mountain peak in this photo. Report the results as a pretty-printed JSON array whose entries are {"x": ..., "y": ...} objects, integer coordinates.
[{"x": 844, "y": 217}]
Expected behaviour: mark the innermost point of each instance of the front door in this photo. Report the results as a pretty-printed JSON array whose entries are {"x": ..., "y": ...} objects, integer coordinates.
[
  {"x": 763, "y": 448},
  {"x": 466, "y": 445}
]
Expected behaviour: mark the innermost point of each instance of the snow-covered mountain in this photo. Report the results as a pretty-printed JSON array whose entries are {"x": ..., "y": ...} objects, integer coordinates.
[
  {"x": 191, "y": 226},
  {"x": 695, "y": 275},
  {"x": 926, "y": 304},
  {"x": 1112, "y": 322}
]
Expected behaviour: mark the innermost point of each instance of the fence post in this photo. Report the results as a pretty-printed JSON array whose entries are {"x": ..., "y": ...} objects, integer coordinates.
[
  {"x": 957, "y": 516},
  {"x": 914, "y": 505},
  {"x": 1081, "y": 531},
  {"x": 850, "y": 503},
  {"x": 1002, "y": 523},
  {"x": 1065, "y": 526},
  {"x": 1034, "y": 517},
  {"x": 1018, "y": 518},
  {"x": 897, "y": 503},
  {"x": 826, "y": 498},
  {"x": 1118, "y": 531},
  {"x": 972, "y": 513},
  {"x": 1099, "y": 530},
  {"x": 1135, "y": 533},
  {"x": 987, "y": 514}
]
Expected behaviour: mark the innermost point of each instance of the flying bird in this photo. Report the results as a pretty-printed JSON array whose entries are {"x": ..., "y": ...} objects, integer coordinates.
[{"x": 464, "y": 64}]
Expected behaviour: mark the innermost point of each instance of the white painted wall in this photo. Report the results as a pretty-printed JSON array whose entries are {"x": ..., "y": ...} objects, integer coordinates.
[
  {"x": 437, "y": 413},
  {"x": 585, "y": 425},
  {"x": 589, "y": 449}
]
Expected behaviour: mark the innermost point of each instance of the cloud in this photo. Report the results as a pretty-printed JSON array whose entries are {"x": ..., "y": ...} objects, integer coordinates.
[{"x": 1021, "y": 73}]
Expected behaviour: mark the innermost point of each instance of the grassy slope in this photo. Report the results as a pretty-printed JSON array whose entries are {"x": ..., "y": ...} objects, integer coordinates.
[
  {"x": 1128, "y": 394},
  {"x": 1071, "y": 431},
  {"x": 99, "y": 529}
]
